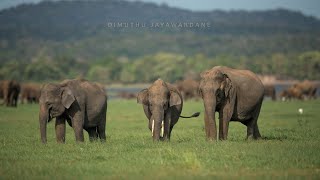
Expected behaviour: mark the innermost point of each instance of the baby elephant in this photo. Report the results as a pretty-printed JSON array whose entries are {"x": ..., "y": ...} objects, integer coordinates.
[
  {"x": 79, "y": 102},
  {"x": 162, "y": 104}
]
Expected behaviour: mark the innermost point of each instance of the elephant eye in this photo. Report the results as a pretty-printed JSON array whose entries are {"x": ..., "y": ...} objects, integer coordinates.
[
  {"x": 49, "y": 104},
  {"x": 200, "y": 92},
  {"x": 165, "y": 105}
]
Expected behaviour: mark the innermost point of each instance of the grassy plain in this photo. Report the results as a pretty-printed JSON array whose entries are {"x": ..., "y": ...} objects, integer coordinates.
[{"x": 290, "y": 148}]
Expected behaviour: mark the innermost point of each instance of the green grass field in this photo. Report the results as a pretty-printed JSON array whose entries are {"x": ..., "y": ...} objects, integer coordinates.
[{"x": 290, "y": 149}]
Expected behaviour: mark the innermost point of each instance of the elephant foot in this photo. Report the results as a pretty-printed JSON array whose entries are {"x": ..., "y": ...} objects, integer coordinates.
[{"x": 253, "y": 138}]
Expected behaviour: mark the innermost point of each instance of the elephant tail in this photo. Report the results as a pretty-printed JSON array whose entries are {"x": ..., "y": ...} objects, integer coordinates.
[{"x": 192, "y": 116}]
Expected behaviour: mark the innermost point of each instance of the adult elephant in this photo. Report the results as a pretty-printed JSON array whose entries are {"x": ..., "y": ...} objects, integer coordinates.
[
  {"x": 10, "y": 90},
  {"x": 81, "y": 103},
  {"x": 188, "y": 88},
  {"x": 270, "y": 91},
  {"x": 236, "y": 94},
  {"x": 30, "y": 92},
  {"x": 162, "y": 105},
  {"x": 307, "y": 88},
  {"x": 291, "y": 93}
]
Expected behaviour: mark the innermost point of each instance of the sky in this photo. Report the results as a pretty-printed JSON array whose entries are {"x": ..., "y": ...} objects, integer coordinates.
[{"x": 308, "y": 7}]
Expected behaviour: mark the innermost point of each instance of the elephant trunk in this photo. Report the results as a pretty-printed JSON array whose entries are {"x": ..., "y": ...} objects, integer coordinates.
[
  {"x": 210, "y": 121},
  {"x": 43, "y": 119},
  {"x": 157, "y": 123}
]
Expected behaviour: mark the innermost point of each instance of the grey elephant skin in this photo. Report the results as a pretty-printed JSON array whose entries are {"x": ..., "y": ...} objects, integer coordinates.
[
  {"x": 162, "y": 104},
  {"x": 81, "y": 103},
  {"x": 236, "y": 94}
]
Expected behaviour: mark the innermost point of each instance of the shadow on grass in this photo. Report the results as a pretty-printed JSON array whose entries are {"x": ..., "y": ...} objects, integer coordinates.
[
  {"x": 274, "y": 138},
  {"x": 184, "y": 139}
]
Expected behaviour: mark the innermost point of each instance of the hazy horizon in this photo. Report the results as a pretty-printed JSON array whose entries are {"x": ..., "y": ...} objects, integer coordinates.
[{"x": 307, "y": 7}]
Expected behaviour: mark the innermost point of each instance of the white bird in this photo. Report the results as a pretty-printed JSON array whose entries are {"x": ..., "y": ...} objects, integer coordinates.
[{"x": 300, "y": 110}]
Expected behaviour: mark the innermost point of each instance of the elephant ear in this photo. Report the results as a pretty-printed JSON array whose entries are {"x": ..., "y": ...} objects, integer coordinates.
[
  {"x": 67, "y": 97},
  {"x": 174, "y": 98},
  {"x": 227, "y": 86},
  {"x": 142, "y": 97}
]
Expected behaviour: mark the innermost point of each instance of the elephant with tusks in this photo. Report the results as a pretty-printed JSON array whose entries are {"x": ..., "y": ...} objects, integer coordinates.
[{"x": 162, "y": 105}]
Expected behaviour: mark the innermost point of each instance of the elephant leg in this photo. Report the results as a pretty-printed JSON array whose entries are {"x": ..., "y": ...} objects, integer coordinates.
[
  {"x": 77, "y": 124},
  {"x": 15, "y": 101},
  {"x": 256, "y": 133},
  {"x": 175, "y": 112},
  {"x": 253, "y": 130},
  {"x": 209, "y": 127},
  {"x": 60, "y": 129},
  {"x": 250, "y": 129},
  {"x": 93, "y": 135},
  {"x": 167, "y": 124},
  {"x": 101, "y": 129},
  {"x": 223, "y": 127},
  {"x": 169, "y": 136},
  {"x": 78, "y": 133},
  {"x": 225, "y": 116},
  {"x": 252, "y": 126},
  {"x": 247, "y": 123},
  {"x": 102, "y": 132}
]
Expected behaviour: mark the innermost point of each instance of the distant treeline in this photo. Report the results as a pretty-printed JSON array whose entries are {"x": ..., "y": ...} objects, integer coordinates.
[
  {"x": 68, "y": 39},
  {"x": 168, "y": 66}
]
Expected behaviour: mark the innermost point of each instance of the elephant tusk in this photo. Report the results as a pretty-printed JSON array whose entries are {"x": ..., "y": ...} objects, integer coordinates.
[
  {"x": 152, "y": 127},
  {"x": 162, "y": 129}
]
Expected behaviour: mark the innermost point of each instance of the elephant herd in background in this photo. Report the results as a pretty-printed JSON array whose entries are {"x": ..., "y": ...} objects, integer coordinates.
[
  {"x": 303, "y": 91},
  {"x": 11, "y": 90},
  {"x": 189, "y": 89}
]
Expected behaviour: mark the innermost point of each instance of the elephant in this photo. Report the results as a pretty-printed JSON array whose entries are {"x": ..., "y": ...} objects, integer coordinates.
[
  {"x": 291, "y": 93},
  {"x": 30, "y": 92},
  {"x": 236, "y": 95},
  {"x": 270, "y": 91},
  {"x": 81, "y": 103},
  {"x": 188, "y": 88},
  {"x": 307, "y": 88},
  {"x": 162, "y": 104},
  {"x": 10, "y": 90}
]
